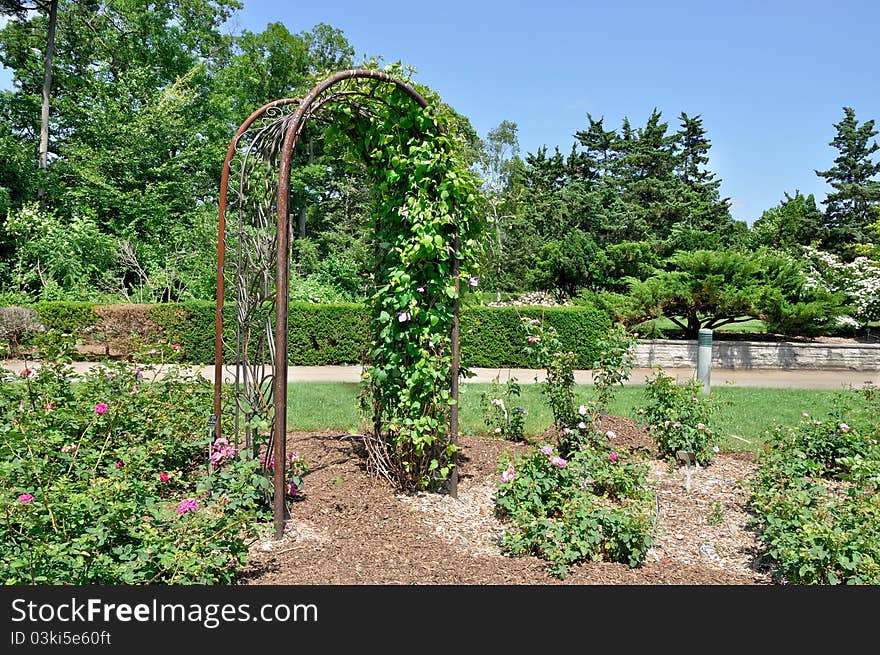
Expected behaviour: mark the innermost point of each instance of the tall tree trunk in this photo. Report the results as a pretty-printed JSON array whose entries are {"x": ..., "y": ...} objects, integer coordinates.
[
  {"x": 693, "y": 330},
  {"x": 47, "y": 87}
]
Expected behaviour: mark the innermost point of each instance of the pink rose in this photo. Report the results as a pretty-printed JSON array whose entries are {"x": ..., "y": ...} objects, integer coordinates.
[
  {"x": 163, "y": 477},
  {"x": 613, "y": 457},
  {"x": 187, "y": 505},
  {"x": 101, "y": 408},
  {"x": 547, "y": 450},
  {"x": 25, "y": 499}
]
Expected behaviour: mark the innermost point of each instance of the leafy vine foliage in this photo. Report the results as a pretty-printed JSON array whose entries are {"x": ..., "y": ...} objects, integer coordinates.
[{"x": 427, "y": 234}]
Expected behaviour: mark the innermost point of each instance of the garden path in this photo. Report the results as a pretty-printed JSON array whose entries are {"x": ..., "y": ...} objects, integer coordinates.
[{"x": 791, "y": 379}]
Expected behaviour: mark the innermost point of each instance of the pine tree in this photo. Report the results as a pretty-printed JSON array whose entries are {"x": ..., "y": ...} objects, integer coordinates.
[
  {"x": 848, "y": 209},
  {"x": 704, "y": 213}
]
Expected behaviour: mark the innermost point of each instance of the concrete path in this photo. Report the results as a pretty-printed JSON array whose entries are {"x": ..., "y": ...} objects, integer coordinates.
[{"x": 800, "y": 379}]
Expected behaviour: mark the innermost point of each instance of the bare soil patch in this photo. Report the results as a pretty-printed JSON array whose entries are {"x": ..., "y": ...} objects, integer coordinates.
[{"x": 352, "y": 529}]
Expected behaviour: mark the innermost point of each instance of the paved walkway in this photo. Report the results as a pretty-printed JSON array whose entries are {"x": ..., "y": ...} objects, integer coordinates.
[{"x": 800, "y": 379}]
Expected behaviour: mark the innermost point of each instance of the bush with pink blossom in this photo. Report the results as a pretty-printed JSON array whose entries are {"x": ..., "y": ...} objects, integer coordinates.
[{"x": 105, "y": 486}]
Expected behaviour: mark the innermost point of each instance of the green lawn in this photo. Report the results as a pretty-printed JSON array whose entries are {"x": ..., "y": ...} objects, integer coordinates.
[
  {"x": 745, "y": 412},
  {"x": 753, "y": 325}
]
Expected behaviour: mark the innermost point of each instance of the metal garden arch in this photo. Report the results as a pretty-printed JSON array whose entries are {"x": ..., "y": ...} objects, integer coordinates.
[{"x": 257, "y": 268}]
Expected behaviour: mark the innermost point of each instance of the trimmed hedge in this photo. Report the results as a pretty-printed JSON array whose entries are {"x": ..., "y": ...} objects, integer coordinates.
[
  {"x": 71, "y": 317},
  {"x": 191, "y": 324},
  {"x": 340, "y": 333},
  {"x": 328, "y": 334},
  {"x": 494, "y": 337}
]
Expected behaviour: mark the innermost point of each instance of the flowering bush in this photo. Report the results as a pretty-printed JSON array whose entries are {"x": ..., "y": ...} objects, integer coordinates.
[
  {"x": 679, "y": 417},
  {"x": 296, "y": 468},
  {"x": 859, "y": 280},
  {"x": 545, "y": 351},
  {"x": 503, "y": 420},
  {"x": 617, "y": 350},
  {"x": 815, "y": 496},
  {"x": 591, "y": 506},
  {"x": 105, "y": 479}
]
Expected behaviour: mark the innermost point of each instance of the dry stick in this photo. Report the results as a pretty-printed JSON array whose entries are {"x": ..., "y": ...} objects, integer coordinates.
[
  {"x": 78, "y": 445},
  {"x": 107, "y": 440},
  {"x": 39, "y": 480}
]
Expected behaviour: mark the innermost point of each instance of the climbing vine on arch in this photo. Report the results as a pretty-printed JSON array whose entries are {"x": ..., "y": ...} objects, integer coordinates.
[{"x": 427, "y": 236}]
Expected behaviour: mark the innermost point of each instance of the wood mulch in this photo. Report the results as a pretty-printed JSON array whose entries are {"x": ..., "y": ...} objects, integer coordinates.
[{"x": 352, "y": 529}]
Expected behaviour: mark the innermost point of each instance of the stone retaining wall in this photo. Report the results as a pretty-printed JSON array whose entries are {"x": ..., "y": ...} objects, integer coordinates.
[{"x": 761, "y": 355}]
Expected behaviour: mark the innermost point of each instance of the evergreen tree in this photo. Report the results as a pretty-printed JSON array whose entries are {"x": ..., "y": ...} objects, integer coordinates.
[
  {"x": 646, "y": 175},
  {"x": 600, "y": 150},
  {"x": 796, "y": 221},
  {"x": 706, "y": 222},
  {"x": 848, "y": 209}
]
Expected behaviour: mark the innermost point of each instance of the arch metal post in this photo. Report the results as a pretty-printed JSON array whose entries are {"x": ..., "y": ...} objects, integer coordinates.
[{"x": 292, "y": 127}]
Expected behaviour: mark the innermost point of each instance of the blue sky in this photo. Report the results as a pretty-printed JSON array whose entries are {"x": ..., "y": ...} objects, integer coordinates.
[{"x": 769, "y": 78}]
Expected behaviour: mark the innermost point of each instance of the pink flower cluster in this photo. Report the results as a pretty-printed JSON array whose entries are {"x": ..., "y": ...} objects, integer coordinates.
[
  {"x": 101, "y": 408},
  {"x": 554, "y": 459},
  {"x": 508, "y": 474},
  {"x": 222, "y": 450},
  {"x": 26, "y": 499},
  {"x": 188, "y": 505}
]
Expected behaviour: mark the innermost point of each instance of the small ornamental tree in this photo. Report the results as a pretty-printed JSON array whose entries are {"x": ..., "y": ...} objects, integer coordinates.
[
  {"x": 712, "y": 288},
  {"x": 858, "y": 280}
]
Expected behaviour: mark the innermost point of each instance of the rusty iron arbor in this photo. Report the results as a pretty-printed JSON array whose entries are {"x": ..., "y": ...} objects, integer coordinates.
[{"x": 260, "y": 156}]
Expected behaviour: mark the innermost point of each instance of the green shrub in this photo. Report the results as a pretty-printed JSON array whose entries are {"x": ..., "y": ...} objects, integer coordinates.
[
  {"x": 815, "y": 497},
  {"x": 592, "y": 506},
  {"x": 106, "y": 480},
  {"x": 500, "y": 415},
  {"x": 679, "y": 417},
  {"x": 339, "y": 334}
]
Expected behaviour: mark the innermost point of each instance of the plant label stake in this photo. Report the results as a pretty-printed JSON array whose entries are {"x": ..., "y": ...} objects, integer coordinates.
[
  {"x": 687, "y": 458},
  {"x": 211, "y": 423}
]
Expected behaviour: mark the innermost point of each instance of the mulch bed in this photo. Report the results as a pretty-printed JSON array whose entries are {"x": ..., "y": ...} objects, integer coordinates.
[{"x": 352, "y": 529}]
